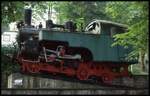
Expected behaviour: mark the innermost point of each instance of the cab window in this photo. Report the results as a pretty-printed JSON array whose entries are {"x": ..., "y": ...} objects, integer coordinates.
[{"x": 113, "y": 31}]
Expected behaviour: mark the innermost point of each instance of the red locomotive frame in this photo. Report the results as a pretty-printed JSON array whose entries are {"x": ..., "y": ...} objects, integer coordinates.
[{"x": 56, "y": 61}]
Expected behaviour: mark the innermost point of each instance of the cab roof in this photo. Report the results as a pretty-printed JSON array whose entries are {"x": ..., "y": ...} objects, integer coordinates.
[{"x": 110, "y": 22}]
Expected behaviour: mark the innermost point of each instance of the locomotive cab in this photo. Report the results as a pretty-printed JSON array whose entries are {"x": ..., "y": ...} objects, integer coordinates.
[{"x": 105, "y": 27}]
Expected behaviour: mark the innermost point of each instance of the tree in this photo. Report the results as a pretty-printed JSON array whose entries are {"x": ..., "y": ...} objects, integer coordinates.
[
  {"x": 81, "y": 12},
  {"x": 14, "y": 11},
  {"x": 11, "y": 11},
  {"x": 8, "y": 66},
  {"x": 135, "y": 14}
]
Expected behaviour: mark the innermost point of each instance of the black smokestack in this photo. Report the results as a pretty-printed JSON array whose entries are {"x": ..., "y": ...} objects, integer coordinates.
[{"x": 28, "y": 13}]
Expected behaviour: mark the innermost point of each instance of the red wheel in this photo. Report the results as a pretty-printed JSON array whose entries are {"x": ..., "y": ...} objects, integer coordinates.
[
  {"x": 82, "y": 73},
  {"x": 107, "y": 79},
  {"x": 33, "y": 68}
]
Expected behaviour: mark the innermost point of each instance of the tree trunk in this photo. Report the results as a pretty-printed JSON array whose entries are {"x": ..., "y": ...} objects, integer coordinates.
[
  {"x": 4, "y": 80},
  {"x": 142, "y": 55}
]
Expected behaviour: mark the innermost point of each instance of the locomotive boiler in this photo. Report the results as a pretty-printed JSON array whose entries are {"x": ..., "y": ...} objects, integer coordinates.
[{"x": 76, "y": 54}]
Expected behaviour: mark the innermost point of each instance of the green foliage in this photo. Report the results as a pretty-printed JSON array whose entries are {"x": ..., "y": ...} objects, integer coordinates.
[
  {"x": 11, "y": 11},
  {"x": 14, "y": 11},
  {"x": 40, "y": 8},
  {"x": 80, "y": 12},
  {"x": 134, "y": 14},
  {"x": 7, "y": 65},
  {"x": 118, "y": 11}
]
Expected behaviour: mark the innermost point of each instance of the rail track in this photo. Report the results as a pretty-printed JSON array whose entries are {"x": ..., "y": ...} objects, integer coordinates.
[{"x": 76, "y": 91}]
